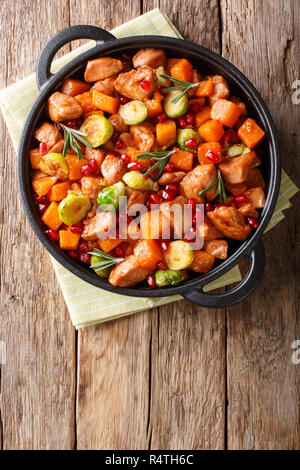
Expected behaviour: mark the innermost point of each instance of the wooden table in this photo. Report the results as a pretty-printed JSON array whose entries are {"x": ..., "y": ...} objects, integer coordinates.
[{"x": 177, "y": 377}]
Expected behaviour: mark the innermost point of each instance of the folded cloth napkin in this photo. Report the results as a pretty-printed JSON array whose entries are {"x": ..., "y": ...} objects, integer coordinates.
[{"x": 89, "y": 305}]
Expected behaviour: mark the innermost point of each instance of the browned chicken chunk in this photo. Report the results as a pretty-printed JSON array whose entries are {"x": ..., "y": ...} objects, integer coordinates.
[
  {"x": 49, "y": 134},
  {"x": 217, "y": 248},
  {"x": 129, "y": 84},
  {"x": 151, "y": 57},
  {"x": 99, "y": 225},
  {"x": 58, "y": 147},
  {"x": 127, "y": 273},
  {"x": 221, "y": 89},
  {"x": 112, "y": 169},
  {"x": 135, "y": 196},
  {"x": 235, "y": 170},
  {"x": 100, "y": 69},
  {"x": 106, "y": 86},
  {"x": 144, "y": 136},
  {"x": 198, "y": 179},
  {"x": 208, "y": 231},
  {"x": 91, "y": 186},
  {"x": 62, "y": 107},
  {"x": 95, "y": 154},
  {"x": 257, "y": 197},
  {"x": 178, "y": 221},
  {"x": 118, "y": 123},
  {"x": 168, "y": 178},
  {"x": 230, "y": 222}
]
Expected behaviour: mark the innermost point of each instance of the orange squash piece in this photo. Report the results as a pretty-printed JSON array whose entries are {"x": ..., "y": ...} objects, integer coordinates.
[
  {"x": 74, "y": 166},
  {"x": 51, "y": 217},
  {"x": 205, "y": 88},
  {"x": 182, "y": 70},
  {"x": 154, "y": 106},
  {"x": 105, "y": 102},
  {"x": 211, "y": 131},
  {"x": 35, "y": 159},
  {"x": 144, "y": 163},
  {"x": 68, "y": 240},
  {"x": 170, "y": 63},
  {"x": 148, "y": 254},
  {"x": 250, "y": 133},
  {"x": 166, "y": 133},
  {"x": 73, "y": 87},
  {"x": 153, "y": 225},
  {"x": 86, "y": 102},
  {"x": 203, "y": 262},
  {"x": 214, "y": 147},
  {"x": 226, "y": 112},
  {"x": 43, "y": 185},
  {"x": 182, "y": 160},
  {"x": 108, "y": 244},
  {"x": 199, "y": 101},
  {"x": 59, "y": 191},
  {"x": 202, "y": 116}
]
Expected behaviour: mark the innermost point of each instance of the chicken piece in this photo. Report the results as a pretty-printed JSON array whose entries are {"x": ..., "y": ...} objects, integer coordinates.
[
  {"x": 100, "y": 69},
  {"x": 257, "y": 197},
  {"x": 236, "y": 189},
  {"x": 102, "y": 224},
  {"x": 151, "y": 57},
  {"x": 58, "y": 147},
  {"x": 118, "y": 123},
  {"x": 91, "y": 186},
  {"x": 248, "y": 210},
  {"x": 95, "y": 154},
  {"x": 235, "y": 170},
  {"x": 106, "y": 86},
  {"x": 129, "y": 84},
  {"x": 178, "y": 220},
  {"x": 62, "y": 107},
  {"x": 196, "y": 78},
  {"x": 230, "y": 222},
  {"x": 255, "y": 179},
  {"x": 143, "y": 135},
  {"x": 48, "y": 133},
  {"x": 174, "y": 177},
  {"x": 198, "y": 179},
  {"x": 208, "y": 231},
  {"x": 217, "y": 248},
  {"x": 135, "y": 196},
  {"x": 93, "y": 211},
  {"x": 221, "y": 89},
  {"x": 127, "y": 273},
  {"x": 202, "y": 262},
  {"x": 129, "y": 142},
  {"x": 113, "y": 168}
]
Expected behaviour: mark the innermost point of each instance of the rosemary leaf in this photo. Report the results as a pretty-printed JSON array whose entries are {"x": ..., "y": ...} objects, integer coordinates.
[{"x": 70, "y": 136}]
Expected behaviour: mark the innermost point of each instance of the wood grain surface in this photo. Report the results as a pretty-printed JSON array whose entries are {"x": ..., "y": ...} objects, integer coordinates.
[{"x": 177, "y": 377}]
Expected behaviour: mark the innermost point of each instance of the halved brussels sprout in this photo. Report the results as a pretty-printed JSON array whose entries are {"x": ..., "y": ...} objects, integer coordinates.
[
  {"x": 53, "y": 164},
  {"x": 108, "y": 198},
  {"x": 185, "y": 134},
  {"x": 162, "y": 81},
  {"x": 175, "y": 110},
  {"x": 73, "y": 208},
  {"x": 179, "y": 255},
  {"x": 138, "y": 180},
  {"x": 98, "y": 130},
  {"x": 100, "y": 272},
  {"x": 133, "y": 112},
  {"x": 169, "y": 277},
  {"x": 237, "y": 149}
]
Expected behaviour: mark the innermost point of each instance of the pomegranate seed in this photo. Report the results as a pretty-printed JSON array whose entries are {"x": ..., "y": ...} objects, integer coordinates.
[
  {"x": 233, "y": 204},
  {"x": 41, "y": 208},
  {"x": 194, "y": 107},
  {"x": 169, "y": 167},
  {"x": 94, "y": 165},
  {"x": 84, "y": 257},
  {"x": 161, "y": 90},
  {"x": 190, "y": 237},
  {"x": 218, "y": 205},
  {"x": 124, "y": 99},
  {"x": 145, "y": 85},
  {"x": 40, "y": 199},
  {"x": 153, "y": 173},
  {"x": 87, "y": 170},
  {"x": 54, "y": 237},
  {"x": 253, "y": 222},
  {"x": 43, "y": 148},
  {"x": 191, "y": 143},
  {"x": 82, "y": 247},
  {"x": 190, "y": 119},
  {"x": 151, "y": 281},
  {"x": 154, "y": 198},
  {"x": 71, "y": 124},
  {"x": 161, "y": 117},
  {"x": 73, "y": 254},
  {"x": 208, "y": 207},
  {"x": 192, "y": 202},
  {"x": 213, "y": 157},
  {"x": 126, "y": 158},
  {"x": 149, "y": 204},
  {"x": 168, "y": 195},
  {"x": 230, "y": 136},
  {"x": 134, "y": 166},
  {"x": 77, "y": 228},
  {"x": 119, "y": 252},
  {"x": 164, "y": 245},
  {"x": 59, "y": 128},
  {"x": 172, "y": 187},
  {"x": 241, "y": 199},
  {"x": 120, "y": 144},
  {"x": 197, "y": 216},
  {"x": 182, "y": 122},
  {"x": 162, "y": 265}
]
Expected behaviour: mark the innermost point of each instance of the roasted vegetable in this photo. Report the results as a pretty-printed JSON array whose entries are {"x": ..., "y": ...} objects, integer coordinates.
[
  {"x": 108, "y": 198},
  {"x": 102, "y": 272},
  {"x": 137, "y": 180},
  {"x": 183, "y": 135},
  {"x": 133, "y": 112},
  {"x": 73, "y": 208},
  {"x": 53, "y": 164},
  {"x": 175, "y": 110},
  {"x": 98, "y": 130},
  {"x": 179, "y": 255},
  {"x": 169, "y": 277}
]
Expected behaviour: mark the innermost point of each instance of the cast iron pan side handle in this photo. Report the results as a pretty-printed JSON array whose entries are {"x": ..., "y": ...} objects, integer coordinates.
[
  {"x": 238, "y": 293},
  {"x": 60, "y": 39}
]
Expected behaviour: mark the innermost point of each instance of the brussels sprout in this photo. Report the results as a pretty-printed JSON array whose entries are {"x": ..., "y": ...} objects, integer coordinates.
[
  {"x": 138, "y": 180},
  {"x": 108, "y": 198},
  {"x": 169, "y": 277},
  {"x": 98, "y": 130},
  {"x": 185, "y": 134},
  {"x": 100, "y": 272},
  {"x": 179, "y": 255},
  {"x": 237, "y": 149},
  {"x": 133, "y": 112},
  {"x": 73, "y": 208},
  {"x": 161, "y": 80},
  {"x": 54, "y": 164},
  {"x": 175, "y": 110}
]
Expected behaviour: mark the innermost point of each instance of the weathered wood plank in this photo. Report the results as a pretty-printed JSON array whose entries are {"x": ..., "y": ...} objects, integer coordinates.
[
  {"x": 262, "y": 39},
  {"x": 38, "y": 378},
  {"x": 188, "y": 342}
]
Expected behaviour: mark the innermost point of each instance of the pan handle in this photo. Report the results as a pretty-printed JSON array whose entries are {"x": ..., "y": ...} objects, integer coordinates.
[
  {"x": 61, "y": 38},
  {"x": 238, "y": 293}
]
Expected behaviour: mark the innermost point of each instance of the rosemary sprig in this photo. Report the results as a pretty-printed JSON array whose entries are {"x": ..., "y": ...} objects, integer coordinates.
[
  {"x": 162, "y": 158},
  {"x": 181, "y": 85},
  {"x": 220, "y": 188},
  {"x": 107, "y": 260},
  {"x": 70, "y": 136}
]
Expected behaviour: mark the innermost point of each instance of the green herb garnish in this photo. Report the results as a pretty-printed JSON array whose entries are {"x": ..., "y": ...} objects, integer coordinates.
[
  {"x": 107, "y": 261},
  {"x": 70, "y": 136},
  {"x": 182, "y": 85},
  {"x": 162, "y": 159},
  {"x": 220, "y": 188}
]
